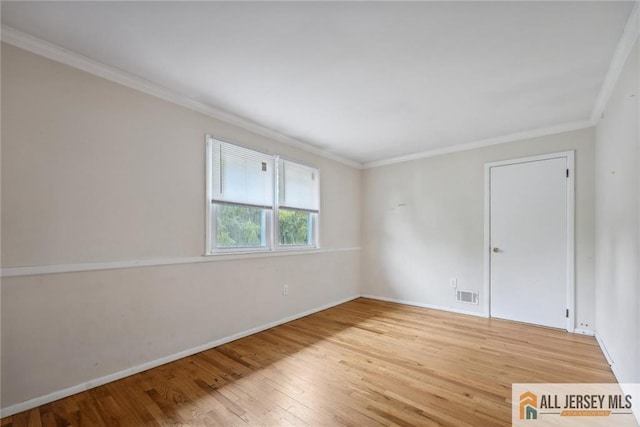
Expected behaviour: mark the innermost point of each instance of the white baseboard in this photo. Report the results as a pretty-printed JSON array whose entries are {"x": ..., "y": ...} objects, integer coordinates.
[
  {"x": 420, "y": 304},
  {"x": 605, "y": 352},
  {"x": 633, "y": 390},
  {"x": 588, "y": 332},
  {"x": 60, "y": 394},
  {"x": 33, "y": 403},
  {"x": 627, "y": 388},
  {"x": 42, "y": 400}
]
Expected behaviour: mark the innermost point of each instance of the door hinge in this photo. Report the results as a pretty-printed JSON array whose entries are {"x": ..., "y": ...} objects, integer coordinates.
[
  {"x": 567, "y": 173},
  {"x": 567, "y": 313}
]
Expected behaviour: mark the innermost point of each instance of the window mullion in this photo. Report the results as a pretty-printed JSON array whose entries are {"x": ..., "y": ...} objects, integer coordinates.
[
  {"x": 276, "y": 203},
  {"x": 209, "y": 220},
  {"x": 254, "y": 197}
]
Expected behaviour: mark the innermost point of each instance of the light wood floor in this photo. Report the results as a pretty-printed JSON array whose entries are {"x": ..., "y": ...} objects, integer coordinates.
[{"x": 362, "y": 363}]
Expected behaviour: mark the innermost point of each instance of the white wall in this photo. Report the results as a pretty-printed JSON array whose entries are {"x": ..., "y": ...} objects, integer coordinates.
[
  {"x": 423, "y": 224},
  {"x": 618, "y": 223},
  {"x": 94, "y": 172}
]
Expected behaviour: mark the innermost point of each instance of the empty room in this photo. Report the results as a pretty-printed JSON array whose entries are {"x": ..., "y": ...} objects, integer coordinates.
[{"x": 320, "y": 213}]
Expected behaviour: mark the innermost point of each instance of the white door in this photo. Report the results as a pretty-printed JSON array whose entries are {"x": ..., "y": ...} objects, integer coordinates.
[{"x": 528, "y": 239}]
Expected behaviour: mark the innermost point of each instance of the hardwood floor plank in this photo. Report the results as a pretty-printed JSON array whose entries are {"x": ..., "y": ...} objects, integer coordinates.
[{"x": 365, "y": 362}]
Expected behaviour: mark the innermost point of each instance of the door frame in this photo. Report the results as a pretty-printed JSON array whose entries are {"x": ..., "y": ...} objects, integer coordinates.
[{"x": 570, "y": 157}]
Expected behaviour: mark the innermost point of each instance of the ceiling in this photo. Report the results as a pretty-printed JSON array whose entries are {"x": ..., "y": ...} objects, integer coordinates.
[{"x": 363, "y": 80}]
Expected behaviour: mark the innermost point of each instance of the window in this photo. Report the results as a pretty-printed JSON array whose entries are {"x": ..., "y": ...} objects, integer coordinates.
[
  {"x": 259, "y": 202},
  {"x": 298, "y": 203}
]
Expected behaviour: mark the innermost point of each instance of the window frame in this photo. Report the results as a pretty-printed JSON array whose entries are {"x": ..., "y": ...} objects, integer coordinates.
[
  {"x": 272, "y": 212},
  {"x": 315, "y": 234},
  {"x": 214, "y": 249}
]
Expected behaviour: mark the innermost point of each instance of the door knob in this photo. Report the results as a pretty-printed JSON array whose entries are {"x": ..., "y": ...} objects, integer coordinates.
[{"x": 496, "y": 250}]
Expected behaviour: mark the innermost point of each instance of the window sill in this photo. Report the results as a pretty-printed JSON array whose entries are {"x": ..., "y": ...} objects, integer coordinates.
[{"x": 259, "y": 253}]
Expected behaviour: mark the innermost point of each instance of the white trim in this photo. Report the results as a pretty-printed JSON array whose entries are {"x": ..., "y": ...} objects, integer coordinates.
[
  {"x": 116, "y": 265},
  {"x": 634, "y": 390},
  {"x": 60, "y": 394},
  {"x": 42, "y": 400},
  {"x": 604, "y": 351},
  {"x": 570, "y": 156},
  {"x": 59, "y": 54},
  {"x": 571, "y": 241},
  {"x": 209, "y": 225},
  {"x": 487, "y": 241},
  {"x": 519, "y": 136},
  {"x": 627, "y": 40},
  {"x": 587, "y": 332},
  {"x": 627, "y": 388},
  {"x": 629, "y": 36},
  {"x": 424, "y": 305}
]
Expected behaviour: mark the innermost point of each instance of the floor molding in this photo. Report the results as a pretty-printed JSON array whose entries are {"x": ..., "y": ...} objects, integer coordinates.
[
  {"x": 48, "y": 398},
  {"x": 33, "y": 403},
  {"x": 634, "y": 390},
  {"x": 605, "y": 352},
  {"x": 588, "y": 332},
  {"x": 626, "y": 387},
  {"x": 424, "y": 305}
]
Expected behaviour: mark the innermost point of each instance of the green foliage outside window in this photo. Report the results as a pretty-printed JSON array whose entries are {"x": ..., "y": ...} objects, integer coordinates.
[
  {"x": 242, "y": 226},
  {"x": 239, "y": 226},
  {"x": 294, "y": 227}
]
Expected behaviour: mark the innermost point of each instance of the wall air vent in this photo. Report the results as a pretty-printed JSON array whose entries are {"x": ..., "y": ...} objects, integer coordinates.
[{"x": 469, "y": 297}]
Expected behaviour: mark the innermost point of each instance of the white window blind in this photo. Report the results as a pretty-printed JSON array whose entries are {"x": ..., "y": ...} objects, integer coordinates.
[
  {"x": 259, "y": 202},
  {"x": 240, "y": 176},
  {"x": 298, "y": 186}
]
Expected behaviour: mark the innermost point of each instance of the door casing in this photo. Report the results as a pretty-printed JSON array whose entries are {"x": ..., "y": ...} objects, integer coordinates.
[{"x": 570, "y": 285}]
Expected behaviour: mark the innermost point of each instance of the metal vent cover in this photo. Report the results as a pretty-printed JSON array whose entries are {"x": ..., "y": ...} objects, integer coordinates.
[{"x": 469, "y": 297}]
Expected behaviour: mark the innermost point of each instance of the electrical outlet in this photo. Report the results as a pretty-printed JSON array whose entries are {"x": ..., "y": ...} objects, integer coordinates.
[
  {"x": 285, "y": 289},
  {"x": 453, "y": 282}
]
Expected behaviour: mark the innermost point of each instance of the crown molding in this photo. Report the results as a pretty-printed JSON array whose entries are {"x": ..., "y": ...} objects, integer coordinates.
[
  {"x": 519, "y": 136},
  {"x": 629, "y": 36},
  {"x": 57, "y": 53}
]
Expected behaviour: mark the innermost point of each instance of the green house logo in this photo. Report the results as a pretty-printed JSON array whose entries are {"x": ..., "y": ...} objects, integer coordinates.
[{"x": 528, "y": 406}]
